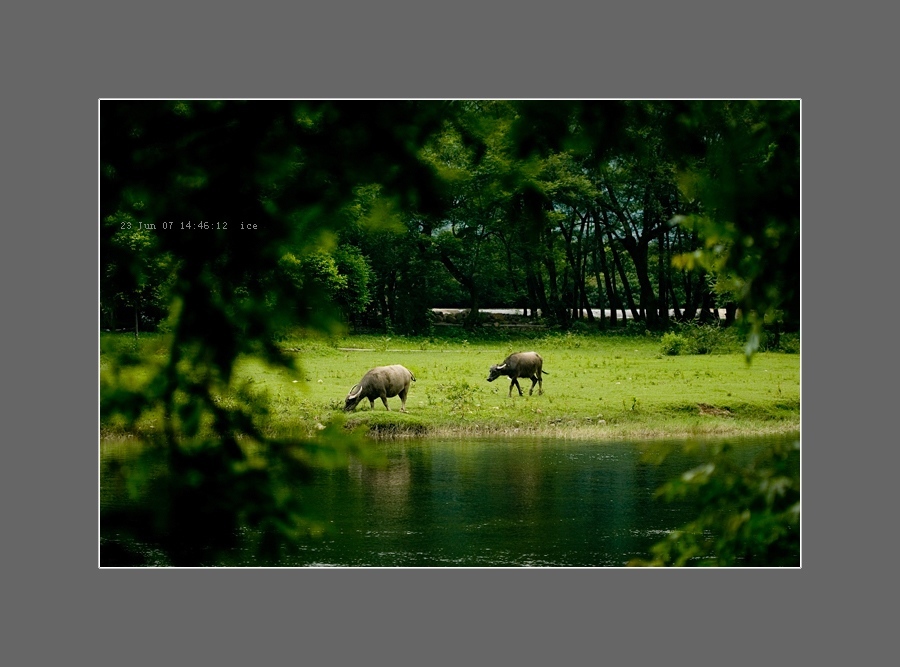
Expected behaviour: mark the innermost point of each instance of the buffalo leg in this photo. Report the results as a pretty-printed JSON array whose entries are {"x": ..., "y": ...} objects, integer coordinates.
[
  {"x": 402, "y": 395},
  {"x": 533, "y": 382},
  {"x": 371, "y": 404},
  {"x": 384, "y": 400},
  {"x": 515, "y": 383}
]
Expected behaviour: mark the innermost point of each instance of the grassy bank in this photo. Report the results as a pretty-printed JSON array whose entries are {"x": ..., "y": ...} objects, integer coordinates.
[{"x": 597, "y": 386}]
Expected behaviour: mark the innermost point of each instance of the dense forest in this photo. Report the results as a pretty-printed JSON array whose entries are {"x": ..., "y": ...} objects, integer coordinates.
[{"x": 385, "y": 210}]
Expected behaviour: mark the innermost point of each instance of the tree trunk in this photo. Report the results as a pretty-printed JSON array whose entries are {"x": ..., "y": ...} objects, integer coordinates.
[
  {"x": 589, "y": 312},
  {"x": 136, "y": 310},
  {"x": 557, "y": 307},
  {"x": 629, "y": 297},
  {"x": 674, "y": 298},
  {"x": 706, "y": 311},
  {"x": 469, "y": 284},
  {"x": 509, "y": 263},
  {"x": 536, "y": 286},
  {"x": 663, "y": 279},
  {"x": 601, "y": 302},
  {"x": 576, "y": 256},
  {"x": 639, "y": 253},
  {"x": 730, "y": 312},
  {"x": 609, "y": 279},
  {"x": 694, "y": 294}
]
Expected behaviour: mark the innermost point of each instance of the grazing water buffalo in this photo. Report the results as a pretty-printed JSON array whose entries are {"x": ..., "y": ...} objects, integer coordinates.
[
  {"x": 383, "y": 382},
  {"x": 520, "y": 365}
]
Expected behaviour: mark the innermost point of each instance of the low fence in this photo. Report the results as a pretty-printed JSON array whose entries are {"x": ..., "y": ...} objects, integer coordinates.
[{"x": 517, "y": 316}]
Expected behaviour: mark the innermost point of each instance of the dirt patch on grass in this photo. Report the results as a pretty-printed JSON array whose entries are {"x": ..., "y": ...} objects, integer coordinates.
[{"x": 712, "y": 410}]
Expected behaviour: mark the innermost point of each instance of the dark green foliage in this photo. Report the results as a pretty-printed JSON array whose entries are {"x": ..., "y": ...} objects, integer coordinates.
[
  {"x": 268, "y": 216},
  {"x": 356, "y": 293},
  {"x": 246, "y": 199},
  {"x": 673, "y": 344},
  {"x": 782, "y": 342},
  {"x": 748, "y": 513},
  {"x": 741, "y": 161},
  {"x": 387, "y": 424},
  {"x": 699, "y": 339},
  {"x": 135, "y": 280},
  {"x": 334, "y": 283}
]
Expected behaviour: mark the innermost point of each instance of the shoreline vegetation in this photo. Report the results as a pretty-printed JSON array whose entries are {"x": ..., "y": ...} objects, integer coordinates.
[{"x": 693, "y": 382}]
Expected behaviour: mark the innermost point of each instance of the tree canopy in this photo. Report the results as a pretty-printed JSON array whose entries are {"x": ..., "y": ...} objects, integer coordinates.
[{"x": 656, "y": 210}]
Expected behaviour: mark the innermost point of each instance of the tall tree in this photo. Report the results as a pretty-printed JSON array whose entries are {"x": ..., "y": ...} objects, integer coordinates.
[
  {"x": 231, "y": 187},
  {"x": 740, "y": 162}
]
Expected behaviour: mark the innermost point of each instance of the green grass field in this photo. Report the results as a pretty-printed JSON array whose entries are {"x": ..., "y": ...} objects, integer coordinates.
[{"x": 597, "y": 386}]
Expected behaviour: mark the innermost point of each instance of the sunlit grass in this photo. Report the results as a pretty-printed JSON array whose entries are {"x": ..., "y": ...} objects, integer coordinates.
[{"x": 601, "y": 387}]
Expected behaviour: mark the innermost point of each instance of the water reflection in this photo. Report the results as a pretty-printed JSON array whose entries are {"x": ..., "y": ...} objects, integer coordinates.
[{"x": 474, "y": 503}]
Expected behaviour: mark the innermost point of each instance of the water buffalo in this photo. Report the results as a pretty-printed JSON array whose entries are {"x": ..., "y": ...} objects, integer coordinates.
[
  {"x": 383, "y": 382},
  {"x": 520, "y": 365}
]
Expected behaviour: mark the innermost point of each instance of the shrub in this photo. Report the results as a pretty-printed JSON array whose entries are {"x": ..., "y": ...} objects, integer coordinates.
[
  {"x": 634, "y": 327},
  {"x": 786, "y": 342},
  {"x": 704, "y": 339},
  {"x": 699, "y": 339},
  {"x": 460, "y": 395},
  {"x": 582, "y": 327},
  {"x": 673, "y": 344},
  {"x": 790, "y": 343}
]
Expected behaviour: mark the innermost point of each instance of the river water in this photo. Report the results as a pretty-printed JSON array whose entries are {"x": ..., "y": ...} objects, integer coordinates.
[{"x": 524, "y": 502}]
